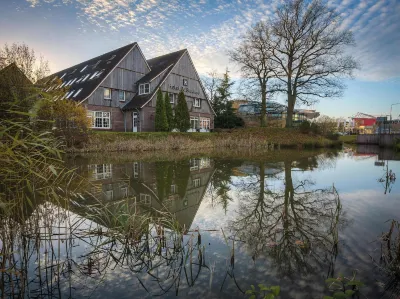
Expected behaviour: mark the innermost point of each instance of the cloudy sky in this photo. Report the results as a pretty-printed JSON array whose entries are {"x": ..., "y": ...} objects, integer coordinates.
[{"x": 67, "y": 32}]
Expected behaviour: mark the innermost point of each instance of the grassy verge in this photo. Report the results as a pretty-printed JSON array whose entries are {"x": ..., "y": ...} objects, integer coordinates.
[
  {"x": 254, "y": 138},
  {"x": 349, "y": 139}
]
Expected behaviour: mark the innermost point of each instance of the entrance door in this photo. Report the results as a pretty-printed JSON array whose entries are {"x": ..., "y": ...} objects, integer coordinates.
[{"x": 135, "y": 122}]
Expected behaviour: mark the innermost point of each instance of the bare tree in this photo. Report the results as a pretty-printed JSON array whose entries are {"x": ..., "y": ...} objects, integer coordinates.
[
  {"x": 309, "y": 45},
  {"x": 25, "y": 58},
  {"x": 211, "y": 82},
  {"x": 253, "y": 57}
]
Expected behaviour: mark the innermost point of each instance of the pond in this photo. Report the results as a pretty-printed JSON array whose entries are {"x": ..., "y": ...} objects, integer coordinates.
[{"x": 210, "y": 226}]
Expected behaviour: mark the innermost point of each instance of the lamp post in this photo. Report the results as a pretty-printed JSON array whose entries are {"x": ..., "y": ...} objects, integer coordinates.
[{"x": 390, "y": 124}]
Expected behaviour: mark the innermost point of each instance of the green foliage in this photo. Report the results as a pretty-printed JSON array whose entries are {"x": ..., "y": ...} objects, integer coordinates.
[
  {"x": 343, "y": 287},
  {"x": 315, "y": 128},
  {"x": 161, "y": 121},
  {"x": 227, "y": 119},
  {"x": 264, "y": 291},
  {"x": 182, "y": 117},
  {"x": 168, "y": 112},
  {"x": 305, "y": 127}
]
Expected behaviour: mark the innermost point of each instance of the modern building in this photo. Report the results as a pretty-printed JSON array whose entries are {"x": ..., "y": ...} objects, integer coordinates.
[
  {"x": 119, "y": 88},
  {"x": 364, "y": 123},
  {"x": 276, "y": 111}
]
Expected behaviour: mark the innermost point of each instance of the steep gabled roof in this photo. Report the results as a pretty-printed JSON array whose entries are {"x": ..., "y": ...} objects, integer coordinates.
[
  {"x": 83, "y": 74},
  {"x": 161, "y": 64},
  {"x": 12, "y": 75}
]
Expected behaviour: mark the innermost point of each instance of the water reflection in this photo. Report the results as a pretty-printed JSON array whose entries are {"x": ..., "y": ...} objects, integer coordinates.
[{"x": 131, "y": 230}]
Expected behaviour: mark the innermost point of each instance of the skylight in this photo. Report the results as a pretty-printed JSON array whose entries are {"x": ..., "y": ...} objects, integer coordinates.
[
  {"x": 84, "y": 79},
  {"x": 70, "y": 94},
  {"x": 84, "y": 68},
  {"x": 63, "y": 76},
  {"x": 112, "y": 57},
  {"x": 97, "y": 63},
  {"x": 78, "y": 92},
  {"x": 73, "y": 81},
  {"x": 94, "y": 75}
]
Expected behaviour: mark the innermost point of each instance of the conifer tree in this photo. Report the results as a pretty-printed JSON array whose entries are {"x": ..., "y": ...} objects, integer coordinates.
[
  {"x": 161, "y": 122},
  {"x": 169, "y": 113},
  {"x": 182, "y": 117}
]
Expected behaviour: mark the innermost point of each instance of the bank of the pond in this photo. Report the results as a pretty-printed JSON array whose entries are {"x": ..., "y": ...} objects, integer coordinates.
[{"x": 255, "y": 138}]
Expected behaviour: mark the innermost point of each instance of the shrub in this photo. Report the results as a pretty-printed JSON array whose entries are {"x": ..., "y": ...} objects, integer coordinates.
[
  {"x": 161, "y": 121},
  {"x": 314, "y": 128},
  {"x": 182, "y": 117},
  {"x": 305, "y": 127}
]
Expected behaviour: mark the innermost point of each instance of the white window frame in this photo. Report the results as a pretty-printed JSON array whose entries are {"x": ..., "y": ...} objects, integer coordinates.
[
  {"x": 172, "y": 189},
  {"x": 124, "y": 191},
  {"x": 172, "y": 97},
  {"x": 145, "y": 199},
  {"x": 197, "y": 103},
  {"x": 104, "y": 93},
  {"x": 194, "y": 164},
  {"x": 205, "y": 123},
  {"x": 94, "y": 115},
  {"x": 144, "y": 88},
  {"x": 101, "y": 171},
  {"x": 196, "y": 120},
  {"x": 135, "y": 170},
  {"x": 197, "y": 183},
  {"x": 119, "y": 93}
]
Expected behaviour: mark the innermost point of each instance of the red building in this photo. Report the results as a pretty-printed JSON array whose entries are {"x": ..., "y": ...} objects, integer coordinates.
[{"x": 364, "y": 123}]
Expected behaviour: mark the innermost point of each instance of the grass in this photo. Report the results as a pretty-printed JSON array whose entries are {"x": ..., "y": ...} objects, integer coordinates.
[
  {"x": 349, "y": 139},
  {"x": 254, "y": 138}
]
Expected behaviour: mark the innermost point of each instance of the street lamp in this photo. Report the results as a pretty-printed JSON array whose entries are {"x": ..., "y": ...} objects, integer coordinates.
[{"x": 390, "y": 125}]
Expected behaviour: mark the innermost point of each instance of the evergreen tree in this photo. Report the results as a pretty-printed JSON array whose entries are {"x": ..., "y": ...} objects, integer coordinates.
[
  {"x": 161, "y": 122},
  {"x": 225, "y": 116},
  {"x": 182, "y": 117},
  {"x": 168, "y": 111}
]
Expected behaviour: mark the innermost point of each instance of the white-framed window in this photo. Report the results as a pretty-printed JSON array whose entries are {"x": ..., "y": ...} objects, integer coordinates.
[
  {"x": 78, "y": 92},
  {"x": 121, "y": 96},
  {"x": 205, "y": 163},
  {"x": 196, "y": 183},
  {"x": 173, "y": 189},
  {"x": 107, "y": 93},
  {"x": 185, "y": 82},
  {"x": 145, "y": 199},
  {"x": 84, "y": 68},
  {"x": 194, "y": 122},
  {"x": 197, "y": 103},
  {"x": 194, "y": 164},
  {"x": 205, "y": 123},
  {"x": 135, "y": 170},
  {"x": 144, "y": 88},
  {"x": 100, "y": 119},
  {"x": 173, "y": 98},
  {"x": 101, "y": 171}
]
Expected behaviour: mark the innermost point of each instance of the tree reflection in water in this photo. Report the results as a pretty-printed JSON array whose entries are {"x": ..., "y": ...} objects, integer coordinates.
[
  {"x": 138, "y": 237},
  {"x": 295, "y": 224}
]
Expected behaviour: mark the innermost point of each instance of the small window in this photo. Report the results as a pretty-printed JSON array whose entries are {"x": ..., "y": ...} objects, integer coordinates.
[
  {"x": 78, "y": 92},
  {"x": 107, "y": 93},
  {"x": 84, "y": 68},
  {"x": 196, "y": 183},
  {"x": 197, "y": 103},
  {"x": 172, "y": 97},
  {"x": 121, "y": 96},
  {"x": 185, "y": 82},
  {"x": 144, "y": 88}
]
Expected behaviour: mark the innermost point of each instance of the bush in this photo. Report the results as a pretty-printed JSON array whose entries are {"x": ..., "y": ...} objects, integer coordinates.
[
  {"x": 305, "y": 127},
  {"x": 333, "y": 136},
  {"x": 314, "y": 128}
]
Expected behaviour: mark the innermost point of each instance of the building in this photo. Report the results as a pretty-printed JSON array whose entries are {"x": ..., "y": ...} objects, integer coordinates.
[
  {"x": 119, "y": 88},
  {"x": 276, "y": 111},
  {"x": 364, "y": 123}
]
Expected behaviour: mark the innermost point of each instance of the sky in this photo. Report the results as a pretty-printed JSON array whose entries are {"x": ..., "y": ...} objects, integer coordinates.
[{"x": 67, "y": 32}]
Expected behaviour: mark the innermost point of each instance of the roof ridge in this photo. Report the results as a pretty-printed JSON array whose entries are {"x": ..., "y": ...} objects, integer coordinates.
[{"x": 170, "y": 53}]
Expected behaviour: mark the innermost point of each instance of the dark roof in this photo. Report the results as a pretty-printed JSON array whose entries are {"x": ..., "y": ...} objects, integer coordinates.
[
  {"x": 104, "y": 63},
  {"x": 157, "y": 66}
]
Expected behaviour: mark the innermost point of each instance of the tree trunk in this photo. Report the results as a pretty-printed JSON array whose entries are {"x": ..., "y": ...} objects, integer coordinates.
[
  {"x": 290, "y": 109},
  {"x": 263, "y": 117}
]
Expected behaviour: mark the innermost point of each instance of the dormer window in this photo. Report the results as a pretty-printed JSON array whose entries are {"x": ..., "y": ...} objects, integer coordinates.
[{"x": 144, "y": 88}]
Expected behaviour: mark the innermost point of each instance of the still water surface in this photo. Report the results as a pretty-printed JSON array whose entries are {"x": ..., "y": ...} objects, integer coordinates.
[{"x": 288, "y": 221}]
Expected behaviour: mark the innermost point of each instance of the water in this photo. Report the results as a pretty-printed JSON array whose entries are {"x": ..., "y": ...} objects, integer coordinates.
[{"x": 292, "y": 219}]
